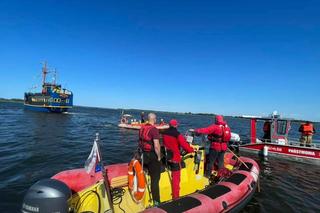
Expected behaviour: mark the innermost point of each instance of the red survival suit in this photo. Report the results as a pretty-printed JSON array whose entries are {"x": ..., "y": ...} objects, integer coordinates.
[
  {"x": 173, "y": 140},
  {"x": 219, "y": 134}
]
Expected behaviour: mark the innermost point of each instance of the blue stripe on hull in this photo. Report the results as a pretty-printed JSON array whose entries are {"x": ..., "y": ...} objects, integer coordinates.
[{"x": 45, "y": 109}]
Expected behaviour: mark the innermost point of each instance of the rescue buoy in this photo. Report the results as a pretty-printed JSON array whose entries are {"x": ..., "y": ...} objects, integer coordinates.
[{"x": 136, "y": 180}]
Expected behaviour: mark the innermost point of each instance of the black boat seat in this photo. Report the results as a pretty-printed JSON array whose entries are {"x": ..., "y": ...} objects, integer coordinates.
[
  {"x": 180, "y": 205},
  {"x": 216, "y": 191},
  {"x": 244, "y": 168},
  {"x": 236, "y": 178}
]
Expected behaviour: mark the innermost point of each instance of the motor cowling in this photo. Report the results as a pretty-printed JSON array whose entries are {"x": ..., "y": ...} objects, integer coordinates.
[
  {"x": 235, "y": 137},
  {"x": 47, "y": 196}
]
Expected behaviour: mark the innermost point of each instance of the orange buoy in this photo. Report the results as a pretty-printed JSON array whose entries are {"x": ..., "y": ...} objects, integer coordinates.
[{"x": 136, "y": 180}]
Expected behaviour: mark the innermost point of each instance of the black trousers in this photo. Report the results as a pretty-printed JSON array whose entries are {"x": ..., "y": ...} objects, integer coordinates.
[
  {"x": 150, "y": 161},
  {"x": 213, "y": 156}
]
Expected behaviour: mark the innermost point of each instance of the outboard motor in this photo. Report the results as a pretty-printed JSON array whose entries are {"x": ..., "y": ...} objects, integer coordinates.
[
  {"x": 235, "y": 137},
  {"x": 47, "y": 196},
  {"x": 235, "y": 141}
]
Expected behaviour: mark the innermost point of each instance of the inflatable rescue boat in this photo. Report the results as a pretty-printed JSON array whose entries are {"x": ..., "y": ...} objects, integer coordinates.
[
  {"x": 128, "y": 122},
  {"x": 126, "y": 188},
  {"x": 138, "y": 125}
]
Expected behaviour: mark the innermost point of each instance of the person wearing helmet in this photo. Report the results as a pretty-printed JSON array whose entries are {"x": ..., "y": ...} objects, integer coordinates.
[
  {"x": 219, "y": 134},
  {"x": 173, "y": 140}
]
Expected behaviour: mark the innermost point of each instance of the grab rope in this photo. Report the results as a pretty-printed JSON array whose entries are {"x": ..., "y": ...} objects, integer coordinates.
[{"x": 117, "y": 195}]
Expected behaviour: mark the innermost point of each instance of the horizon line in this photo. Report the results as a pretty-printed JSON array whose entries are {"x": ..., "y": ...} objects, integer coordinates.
[{"x": 19, "y": 100}]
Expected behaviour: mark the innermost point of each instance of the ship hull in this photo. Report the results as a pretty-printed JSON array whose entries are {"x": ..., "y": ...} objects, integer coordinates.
[
  {"x": 302, "y": 154},
  {"x": 54, "y": 109},
  {"x": 49, "y": 102}
]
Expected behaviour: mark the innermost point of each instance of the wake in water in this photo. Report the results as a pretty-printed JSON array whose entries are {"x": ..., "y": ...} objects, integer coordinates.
[{"x": 72, "y": 113}]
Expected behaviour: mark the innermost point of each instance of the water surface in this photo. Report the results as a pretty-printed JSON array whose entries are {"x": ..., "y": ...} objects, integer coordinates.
[{"x": 38, "y": 145}]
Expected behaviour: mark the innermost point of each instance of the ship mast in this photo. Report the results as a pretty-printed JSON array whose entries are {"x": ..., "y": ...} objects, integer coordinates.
[
  {"x": 54, "y": 76},
  {"x": 44, "y": 72}
]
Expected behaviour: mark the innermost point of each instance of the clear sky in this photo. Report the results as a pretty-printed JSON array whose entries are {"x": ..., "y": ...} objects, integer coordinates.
[{"x": 230, "y": 57}]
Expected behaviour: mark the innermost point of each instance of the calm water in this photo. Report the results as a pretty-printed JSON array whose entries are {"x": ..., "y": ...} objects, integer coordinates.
[{"x": 38, "y": 145}]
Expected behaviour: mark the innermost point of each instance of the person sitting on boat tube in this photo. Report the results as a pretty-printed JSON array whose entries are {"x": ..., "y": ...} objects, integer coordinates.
[
  {"x": 307, "y": 131},
  {"x": 219, "y": 134},
  {"x": 173, "y": 140},
  {"x": 150, "y": 146}
]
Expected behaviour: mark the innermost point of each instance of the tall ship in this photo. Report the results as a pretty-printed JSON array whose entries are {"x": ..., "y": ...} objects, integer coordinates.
[{"x": 52, "y": 98}]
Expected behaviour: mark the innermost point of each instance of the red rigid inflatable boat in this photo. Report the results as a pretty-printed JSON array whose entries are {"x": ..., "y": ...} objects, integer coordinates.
[
  {"x": 229, "y": 195},
  {"x": 123, "y": 188}
]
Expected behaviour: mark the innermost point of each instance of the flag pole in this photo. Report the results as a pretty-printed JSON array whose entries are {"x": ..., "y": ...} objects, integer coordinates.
[{"x": 104, "y": 174}]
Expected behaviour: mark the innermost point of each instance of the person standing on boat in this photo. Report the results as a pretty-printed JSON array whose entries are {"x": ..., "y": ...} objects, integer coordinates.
[
  {"x": 266, "y": 131},
  {"x": 173, "y": 140},
  {"x": 150, "y": 146},
  {"x": 219, "y": 134},
  {"x": 142, "y": 117},
  {"x": 162, "y": 122},
  {"x": 307, "y": 131}
]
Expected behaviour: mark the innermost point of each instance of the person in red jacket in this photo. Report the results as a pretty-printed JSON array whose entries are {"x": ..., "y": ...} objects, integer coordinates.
[
  {"x": 219, "y": 135},
  {"x": 173, "y": 141}
]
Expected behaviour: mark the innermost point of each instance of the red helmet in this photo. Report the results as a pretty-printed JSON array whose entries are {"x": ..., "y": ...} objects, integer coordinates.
[{"x": 173, "y": 123}]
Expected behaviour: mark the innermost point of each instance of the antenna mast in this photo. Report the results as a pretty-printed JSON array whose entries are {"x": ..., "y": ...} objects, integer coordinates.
[
  {"x": 55, "y": 76},
  {"x": 44, "y": 72}
]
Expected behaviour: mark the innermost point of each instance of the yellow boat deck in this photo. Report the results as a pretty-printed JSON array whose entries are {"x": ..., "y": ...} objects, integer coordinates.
[{"x": 95, "y": 198}]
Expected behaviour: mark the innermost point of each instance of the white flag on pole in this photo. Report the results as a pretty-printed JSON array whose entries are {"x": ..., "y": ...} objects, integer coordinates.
[{"x": 93, "y": 159}]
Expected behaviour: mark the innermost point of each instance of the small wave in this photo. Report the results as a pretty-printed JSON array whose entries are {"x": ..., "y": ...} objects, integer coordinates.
[
  {"x": 72, "y": 113},
  {"x": 108, "y": 125}
]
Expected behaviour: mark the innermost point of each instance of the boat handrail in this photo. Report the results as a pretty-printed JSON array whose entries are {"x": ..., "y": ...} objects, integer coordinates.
[{"x": 296, "y": 142}]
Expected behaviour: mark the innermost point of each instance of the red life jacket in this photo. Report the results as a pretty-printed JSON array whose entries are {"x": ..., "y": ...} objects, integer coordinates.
[
  {"x": 219, "y": 142},
  {"x": 145, "y": 141},
  {"x": 307, "y": 129}
]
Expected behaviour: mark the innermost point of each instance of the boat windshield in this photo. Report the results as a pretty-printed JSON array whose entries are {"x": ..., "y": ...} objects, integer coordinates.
[{"x": 282, "y": 127}]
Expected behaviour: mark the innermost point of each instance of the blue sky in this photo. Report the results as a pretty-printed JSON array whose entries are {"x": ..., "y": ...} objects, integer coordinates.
[{"x": 229, "y": 57}]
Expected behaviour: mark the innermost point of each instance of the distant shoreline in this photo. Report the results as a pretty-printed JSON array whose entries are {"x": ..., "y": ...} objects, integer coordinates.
[
  {"x": 18, "y": 100},
  {"x": 12, "y": 100}
]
